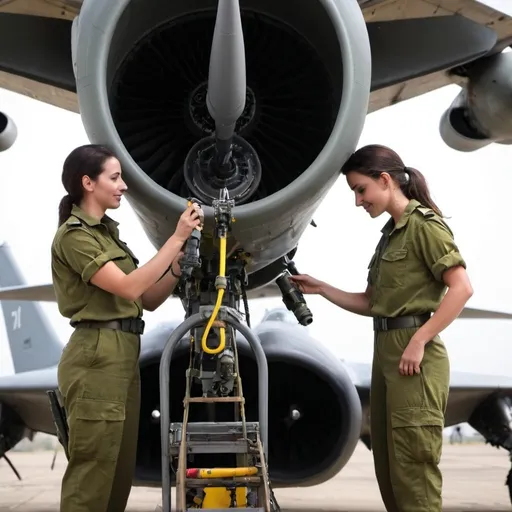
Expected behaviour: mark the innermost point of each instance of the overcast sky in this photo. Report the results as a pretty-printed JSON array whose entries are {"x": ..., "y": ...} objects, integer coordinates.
[
  {"x": 501, "y": 5},
  {"x": 472, "y": 189}
]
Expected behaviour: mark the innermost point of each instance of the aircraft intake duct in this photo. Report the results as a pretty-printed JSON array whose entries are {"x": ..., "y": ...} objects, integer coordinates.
[
  {"x": 314, "y": 410},
  {"x": 266, "y": 98},
  {"x": 482, "y": 112},
  {"x": 8, "y": 132}
]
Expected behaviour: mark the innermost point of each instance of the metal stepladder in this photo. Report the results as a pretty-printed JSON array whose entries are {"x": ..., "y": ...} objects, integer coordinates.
[
  {"x": 248, "y": 439},
  {"x": 245, "y": 485}
]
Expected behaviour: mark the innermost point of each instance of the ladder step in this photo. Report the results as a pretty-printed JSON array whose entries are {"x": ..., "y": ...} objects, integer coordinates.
[
  {"x": 211, "y": 437},
  {"x": 213, "y": 399},
  {"x": 214, "y": 446},
  {"x": 216, "y": 428},
  {"x": 239, "y": 481}
]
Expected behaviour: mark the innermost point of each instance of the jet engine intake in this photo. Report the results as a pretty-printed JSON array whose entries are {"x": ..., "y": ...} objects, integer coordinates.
[
  {"x": 156, "y": 82},
  {"x": 482, "y": 112},
  {"x": 8, "y": 132},
  {"x": 493, "y": 419}
]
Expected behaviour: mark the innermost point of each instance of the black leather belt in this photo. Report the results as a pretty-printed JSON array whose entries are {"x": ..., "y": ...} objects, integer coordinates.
[
  {"x": 131, "y": 325},
  {"x": 400, "y": 322}
]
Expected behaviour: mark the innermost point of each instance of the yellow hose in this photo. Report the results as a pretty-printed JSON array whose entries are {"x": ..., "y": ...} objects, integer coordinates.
[{"x": 220, "y": 295}]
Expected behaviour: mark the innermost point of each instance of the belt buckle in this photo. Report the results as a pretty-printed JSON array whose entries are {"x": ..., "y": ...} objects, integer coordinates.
[
  {"x": 135, "y": 325},
  {"x": 128, "y": 325},
  {"x": 380, "y": 323}
]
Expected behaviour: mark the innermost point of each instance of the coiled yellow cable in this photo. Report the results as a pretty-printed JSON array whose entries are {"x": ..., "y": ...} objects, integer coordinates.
[{"x": 221, "y": 286}]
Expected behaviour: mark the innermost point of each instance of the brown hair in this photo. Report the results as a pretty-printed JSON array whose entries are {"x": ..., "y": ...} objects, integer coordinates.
[
  {"x": 374, "y": 159},
  {"x": 83, "y": 160}
]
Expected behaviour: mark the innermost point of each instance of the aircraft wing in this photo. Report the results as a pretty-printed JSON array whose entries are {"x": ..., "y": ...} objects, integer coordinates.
[
  {"x": 467, "y": 390},
  {"x": 26, "y": 394},
  {"x": 39, "y": 293},
  {"x": 415, "y": 46},
  {"x": 45, "y": 293}
]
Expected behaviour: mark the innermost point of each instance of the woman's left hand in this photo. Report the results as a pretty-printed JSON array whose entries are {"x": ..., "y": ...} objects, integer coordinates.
[{"x": 412, "y": 357}]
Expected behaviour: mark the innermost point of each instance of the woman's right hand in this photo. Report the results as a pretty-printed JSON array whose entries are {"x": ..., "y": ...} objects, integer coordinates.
[
  {"x": 307, "y": 284},
  {"x": 190, "y": 219}
]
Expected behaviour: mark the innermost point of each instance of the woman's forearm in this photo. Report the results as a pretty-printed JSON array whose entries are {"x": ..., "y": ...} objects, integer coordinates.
[
  {"x": 142, "y": 279},
  {"x": 159, "y": 292},
  {"x": 358, "y": 303}
]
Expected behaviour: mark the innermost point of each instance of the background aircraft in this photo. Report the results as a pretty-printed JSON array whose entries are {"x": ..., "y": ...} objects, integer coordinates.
[{"x": 310, "y": 391}]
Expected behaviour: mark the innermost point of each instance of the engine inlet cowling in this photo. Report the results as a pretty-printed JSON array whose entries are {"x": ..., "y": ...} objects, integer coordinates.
[
  {"x": 150, "y": 85},
  {"x": 158, "y": 101},
  {"x": 482, "y": 111},
  {"x": 8, "y": 132}
]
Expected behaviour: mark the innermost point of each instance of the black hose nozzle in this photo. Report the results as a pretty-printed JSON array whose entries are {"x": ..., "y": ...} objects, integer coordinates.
[
  {"x": 294, "y": 300},
  {"x": 191, "y": 258}
]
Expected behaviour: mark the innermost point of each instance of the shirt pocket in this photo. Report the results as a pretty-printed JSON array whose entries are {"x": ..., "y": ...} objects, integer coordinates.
[
  {"x": 371, "y": 268},
  {"x": 128, "y": 251},
  {"x": 393, "y": 268}
]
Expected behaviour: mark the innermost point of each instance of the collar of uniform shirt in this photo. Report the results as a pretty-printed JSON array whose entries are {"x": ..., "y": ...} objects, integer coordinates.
[
  {"x": 91, "y": 221},
  {"x": 390, "y": 226}
]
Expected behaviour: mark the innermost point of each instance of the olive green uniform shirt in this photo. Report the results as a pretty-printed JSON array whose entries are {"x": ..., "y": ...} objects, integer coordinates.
[
  {"x": 406, "y": 271},
  {"x": 81, "y": 246}
]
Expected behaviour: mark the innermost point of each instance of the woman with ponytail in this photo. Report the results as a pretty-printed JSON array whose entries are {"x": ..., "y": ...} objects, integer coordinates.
[
  {"x": 103, "y": 292},
  {"x": 65, "y": 207},
  {"x": 417, "y": 286}
]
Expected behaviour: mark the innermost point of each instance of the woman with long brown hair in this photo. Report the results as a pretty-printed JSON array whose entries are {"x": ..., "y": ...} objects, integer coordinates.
[
  {"x": 417, "y": 286},
  {"x": 102, "y": 289}
]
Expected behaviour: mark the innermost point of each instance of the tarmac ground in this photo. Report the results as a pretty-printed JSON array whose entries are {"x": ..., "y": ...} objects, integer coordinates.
[{"x": 474, "y": 480}]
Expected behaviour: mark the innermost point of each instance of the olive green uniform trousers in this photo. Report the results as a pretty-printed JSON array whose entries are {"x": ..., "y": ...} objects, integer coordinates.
[
  {"x": 407, "y": 421},
  {"x": 99, "y": 380}
]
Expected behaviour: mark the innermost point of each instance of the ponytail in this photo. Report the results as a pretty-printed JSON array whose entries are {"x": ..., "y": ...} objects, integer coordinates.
[
  {"x": 65, "y": 207},
  {"x": 417, "y": 188},
  {"x": 375, "y": 159}
]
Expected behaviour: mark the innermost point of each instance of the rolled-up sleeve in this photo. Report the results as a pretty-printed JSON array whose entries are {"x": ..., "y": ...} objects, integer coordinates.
[
  {"x": 83, "y": 253},
  {"x": 435, "y": 244}
]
